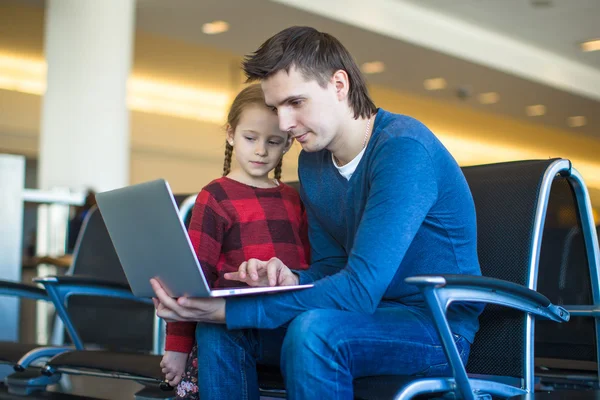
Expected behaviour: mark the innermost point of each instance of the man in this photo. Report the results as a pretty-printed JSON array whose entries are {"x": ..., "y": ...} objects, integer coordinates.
[{"x": 385, "y": 200}]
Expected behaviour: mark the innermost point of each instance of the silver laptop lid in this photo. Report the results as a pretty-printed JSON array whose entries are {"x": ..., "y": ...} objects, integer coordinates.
[{"x": 151, "y": 240}]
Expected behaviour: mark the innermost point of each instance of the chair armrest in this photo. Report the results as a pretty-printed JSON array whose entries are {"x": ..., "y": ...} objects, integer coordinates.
[
  {"x": 41, "y": 352},
  {"x": 440, "y": 291},
  {"x": 451, "y": 288},
  {"x": 19, "y": 289},
  {"x": 80, "y": 280},
  {"x": 84, "y": 285}
]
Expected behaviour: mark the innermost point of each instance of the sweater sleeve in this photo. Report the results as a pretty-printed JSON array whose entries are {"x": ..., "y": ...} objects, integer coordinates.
[
  {"x": 395, "y": 194},
  {"x": 207, "y": 227},
  {"x": 327, "y": 256},
  {"x": 304, "y": 235}
]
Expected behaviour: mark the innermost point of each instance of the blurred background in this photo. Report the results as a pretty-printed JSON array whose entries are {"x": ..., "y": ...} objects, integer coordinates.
[{"x": 99, "y": 94}]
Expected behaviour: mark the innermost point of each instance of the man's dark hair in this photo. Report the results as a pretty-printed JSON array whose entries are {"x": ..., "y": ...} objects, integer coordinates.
[{"x": 317, "y": 56}]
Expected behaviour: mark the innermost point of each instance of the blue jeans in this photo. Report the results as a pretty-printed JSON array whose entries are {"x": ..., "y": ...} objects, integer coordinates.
[{"x": 321, "y": 352}]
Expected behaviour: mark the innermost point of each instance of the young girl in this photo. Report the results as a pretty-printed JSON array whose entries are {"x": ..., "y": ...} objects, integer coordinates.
[{"x": 242, "y": 215}]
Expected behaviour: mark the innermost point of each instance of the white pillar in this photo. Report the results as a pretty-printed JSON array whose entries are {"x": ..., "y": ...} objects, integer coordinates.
[
  {"x": 84, "y": 135},
  {"x": 84, "y": 138},
  {"x": 12, "y": 179}
]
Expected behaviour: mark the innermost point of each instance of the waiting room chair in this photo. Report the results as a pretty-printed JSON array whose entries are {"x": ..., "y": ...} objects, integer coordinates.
[
  {"x": 567, "y": 354},
  {"x": 98, "y": 276},
  {"x": 89, "y": 312},
  {"x": 143, "y": 368},
  {"x": 98, "y": 310},
  {"x": 511, "y": 201}
]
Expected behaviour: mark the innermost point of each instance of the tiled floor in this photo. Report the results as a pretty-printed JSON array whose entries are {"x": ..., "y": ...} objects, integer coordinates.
[{"x": 102, "y": 388}]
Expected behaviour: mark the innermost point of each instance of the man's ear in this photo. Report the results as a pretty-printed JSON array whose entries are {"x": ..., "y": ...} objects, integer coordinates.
[{"x": 342, "y": 84}]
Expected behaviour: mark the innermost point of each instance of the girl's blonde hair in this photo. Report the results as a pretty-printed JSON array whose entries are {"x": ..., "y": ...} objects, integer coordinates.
[{"x": 252, "y": 94}]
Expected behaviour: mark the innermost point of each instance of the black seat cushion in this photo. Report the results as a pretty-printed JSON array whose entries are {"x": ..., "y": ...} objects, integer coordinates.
[
  {"x": 368, "y": 388},
  {"x": 379, "y": 387},
  {"x": 270, "y": 377}
]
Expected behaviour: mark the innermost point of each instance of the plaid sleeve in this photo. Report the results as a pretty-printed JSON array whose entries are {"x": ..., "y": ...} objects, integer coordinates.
[
  {"x": 207, "y": 227},
  {"x": 180, "y": 336}
]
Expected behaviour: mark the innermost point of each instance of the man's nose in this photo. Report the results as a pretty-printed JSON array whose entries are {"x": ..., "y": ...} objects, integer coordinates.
[{"x": 286, "y": 120}]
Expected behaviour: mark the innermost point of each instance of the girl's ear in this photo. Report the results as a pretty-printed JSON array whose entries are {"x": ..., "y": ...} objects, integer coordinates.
[{"x": 230, "y": 134}]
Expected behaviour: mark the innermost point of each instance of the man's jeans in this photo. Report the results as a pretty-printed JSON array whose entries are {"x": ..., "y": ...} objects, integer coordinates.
[{"x": 320, "y": 353}]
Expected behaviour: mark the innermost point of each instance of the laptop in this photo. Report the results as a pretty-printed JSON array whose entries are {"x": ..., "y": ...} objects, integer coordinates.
[{"x": 151, "y": 241}]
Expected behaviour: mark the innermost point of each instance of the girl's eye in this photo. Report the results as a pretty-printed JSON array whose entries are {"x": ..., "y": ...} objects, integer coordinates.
[
  {"x": 250, "y": 139},
  {"x": 273, "y": 143}
]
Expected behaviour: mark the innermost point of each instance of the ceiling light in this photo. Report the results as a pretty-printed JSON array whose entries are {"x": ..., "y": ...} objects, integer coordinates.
[
  {"x": 435, "y": 84},
  {"x": 488, "y": 98},
  {"x": 373, "y": 67},
  {"x": 535, "y": 110},
  {"x": 30, "y": 66},
  {"x": 541, "y": 3},
  {"x": 576, "y": 121},
  {"x": 143, "y": 94},
  {"x": 167, "y": 98},
  {"x": 23, "y": 75},
  {"x": 215, "y": 27},
  {"x": 590, "y": 45}
]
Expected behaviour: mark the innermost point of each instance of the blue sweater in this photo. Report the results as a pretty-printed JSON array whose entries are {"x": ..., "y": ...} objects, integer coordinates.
[{"x": 407, "y": 210}]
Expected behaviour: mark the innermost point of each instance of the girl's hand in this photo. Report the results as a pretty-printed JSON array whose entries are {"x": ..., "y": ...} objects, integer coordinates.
[
  {"x": 173, "y": 366},
  {"x": 264, "y": 273}
]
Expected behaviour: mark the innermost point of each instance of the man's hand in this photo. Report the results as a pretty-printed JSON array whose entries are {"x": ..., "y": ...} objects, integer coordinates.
[
  {"x": 186, "y": 308},
  {"x": 173, "y": 366},
  {"x": 264, "y": 273}
]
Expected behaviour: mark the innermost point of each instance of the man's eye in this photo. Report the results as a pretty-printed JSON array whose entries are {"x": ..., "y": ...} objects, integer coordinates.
[{"x": 296, "y": 103}]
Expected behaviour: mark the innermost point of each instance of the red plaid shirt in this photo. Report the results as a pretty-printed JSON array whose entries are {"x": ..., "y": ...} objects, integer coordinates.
[{"x": 233, "y": 222}]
